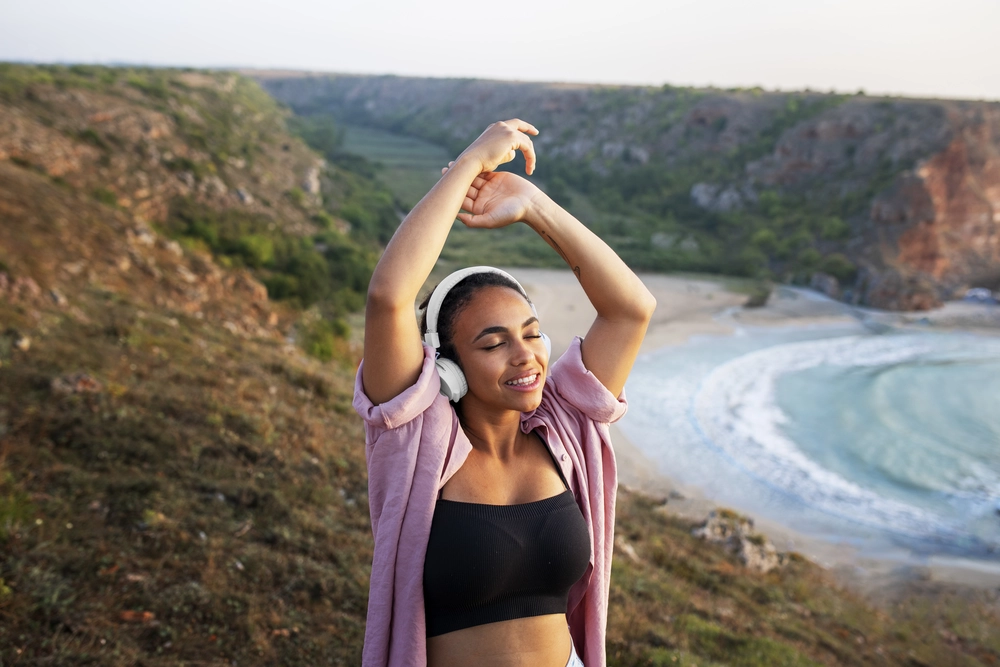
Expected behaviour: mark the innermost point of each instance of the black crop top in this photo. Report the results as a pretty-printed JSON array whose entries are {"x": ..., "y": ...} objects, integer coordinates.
[{"x": 488, "y": 563}]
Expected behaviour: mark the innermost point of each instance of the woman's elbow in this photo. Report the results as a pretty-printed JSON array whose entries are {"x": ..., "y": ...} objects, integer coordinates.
[
  {"x": 643, "y": 306},
  {"x": 381, "y": 298}
]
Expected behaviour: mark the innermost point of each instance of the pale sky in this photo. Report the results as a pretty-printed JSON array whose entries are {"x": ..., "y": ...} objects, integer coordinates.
[{"x": 908, "y": 47}]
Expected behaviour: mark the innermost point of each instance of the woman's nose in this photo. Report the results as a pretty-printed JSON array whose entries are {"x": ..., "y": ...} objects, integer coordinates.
[{"x": 522, "y": 352}]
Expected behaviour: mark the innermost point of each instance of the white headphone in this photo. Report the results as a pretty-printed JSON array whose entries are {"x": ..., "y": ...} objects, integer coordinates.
[{"x": 453, "y": 382}]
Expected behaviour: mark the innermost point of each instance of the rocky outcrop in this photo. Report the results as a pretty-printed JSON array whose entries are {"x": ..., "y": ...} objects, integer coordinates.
[
  {"x": 736, "y": 534},
  {"x": 939, "y": 225}
]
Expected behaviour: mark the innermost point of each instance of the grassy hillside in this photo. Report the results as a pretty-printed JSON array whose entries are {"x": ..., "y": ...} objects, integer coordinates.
[{"x": 182, "y": 485}]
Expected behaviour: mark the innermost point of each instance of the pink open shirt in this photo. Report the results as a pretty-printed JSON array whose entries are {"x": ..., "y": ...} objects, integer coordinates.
[{"x": 414, "y": 444}]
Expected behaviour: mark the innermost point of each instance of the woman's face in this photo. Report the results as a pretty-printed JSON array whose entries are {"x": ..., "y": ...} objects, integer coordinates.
[{"x": 502, "y": 354}]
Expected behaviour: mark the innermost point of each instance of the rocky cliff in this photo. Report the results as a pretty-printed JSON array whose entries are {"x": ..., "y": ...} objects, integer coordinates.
[{"x": 898, "y": 199}]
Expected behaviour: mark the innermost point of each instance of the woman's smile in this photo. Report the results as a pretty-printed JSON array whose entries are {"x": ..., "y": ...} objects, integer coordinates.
[
  {"x": 501, "y": 351},
  {"x": 527, "y": 382}
]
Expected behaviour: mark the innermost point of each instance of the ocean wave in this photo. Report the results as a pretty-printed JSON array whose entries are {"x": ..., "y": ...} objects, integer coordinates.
[{"x": 735, "y": 411}]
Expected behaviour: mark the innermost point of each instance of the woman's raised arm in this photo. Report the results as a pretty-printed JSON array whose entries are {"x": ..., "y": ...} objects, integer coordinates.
[
  {"x": 393, "y": 351},
  {"x": 624, "y": 305}
]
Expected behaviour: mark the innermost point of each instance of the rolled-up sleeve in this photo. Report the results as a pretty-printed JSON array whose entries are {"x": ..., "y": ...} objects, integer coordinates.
[
  {"x": 580, "y": 388},
  {"x": 405, "y": 407}
]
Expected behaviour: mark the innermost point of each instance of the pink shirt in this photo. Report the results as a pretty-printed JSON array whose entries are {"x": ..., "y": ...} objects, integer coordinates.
[{"x": 414, "y": 444}]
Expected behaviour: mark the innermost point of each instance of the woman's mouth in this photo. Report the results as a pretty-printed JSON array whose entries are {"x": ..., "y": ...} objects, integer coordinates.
[{"x": 526, "y": 382}]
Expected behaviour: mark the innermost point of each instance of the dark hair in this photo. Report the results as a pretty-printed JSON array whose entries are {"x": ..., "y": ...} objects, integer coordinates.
[{"x": 458, "y": 297}]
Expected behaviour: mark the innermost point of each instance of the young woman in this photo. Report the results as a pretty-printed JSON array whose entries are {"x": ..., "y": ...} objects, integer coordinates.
[{"x": 493, "y": 516}]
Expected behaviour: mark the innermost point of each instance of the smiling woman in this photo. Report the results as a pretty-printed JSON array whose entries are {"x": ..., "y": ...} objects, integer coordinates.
[{"x": 491, "y": 475}]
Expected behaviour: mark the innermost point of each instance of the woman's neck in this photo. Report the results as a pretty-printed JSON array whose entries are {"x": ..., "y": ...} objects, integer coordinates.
[{"x": 496, "y": 434}]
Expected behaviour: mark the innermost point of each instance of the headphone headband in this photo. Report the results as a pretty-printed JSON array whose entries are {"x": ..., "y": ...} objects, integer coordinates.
[{"x": 445, "y": 286}]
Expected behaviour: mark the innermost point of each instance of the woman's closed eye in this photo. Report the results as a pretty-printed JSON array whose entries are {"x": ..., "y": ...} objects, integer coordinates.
[{"x": 500, "y": 343}]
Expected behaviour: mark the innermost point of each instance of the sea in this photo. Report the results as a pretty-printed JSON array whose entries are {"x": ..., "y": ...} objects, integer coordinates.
[{"x": 885, "y": 440}]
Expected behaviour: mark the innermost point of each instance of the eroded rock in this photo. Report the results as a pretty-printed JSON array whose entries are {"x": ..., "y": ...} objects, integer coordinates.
[{"x": 736, "y": 533}]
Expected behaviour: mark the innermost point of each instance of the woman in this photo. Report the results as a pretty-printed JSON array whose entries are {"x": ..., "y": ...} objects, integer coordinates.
[{"x": 483, "y": 556}]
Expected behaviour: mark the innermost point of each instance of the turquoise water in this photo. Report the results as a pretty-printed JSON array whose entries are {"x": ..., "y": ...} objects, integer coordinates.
[{"x": 834, "y": 431}]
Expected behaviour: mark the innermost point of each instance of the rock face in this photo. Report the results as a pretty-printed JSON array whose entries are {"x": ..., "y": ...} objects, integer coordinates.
[
  {"x": 919, "y": 179},
  {"x": 736, "y": 534},
  {"x": 939, "y": 223}
]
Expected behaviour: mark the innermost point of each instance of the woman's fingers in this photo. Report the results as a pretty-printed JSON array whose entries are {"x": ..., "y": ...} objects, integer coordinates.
[
  {"x": 522, "y": 126},
  {"x": 502, "y": 141},
  {"x": 529, "y": 157},
  {"x": 525, "y": 146}
]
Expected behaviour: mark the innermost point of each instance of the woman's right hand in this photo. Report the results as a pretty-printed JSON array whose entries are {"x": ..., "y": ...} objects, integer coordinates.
[{"x": 500, "y": 142}]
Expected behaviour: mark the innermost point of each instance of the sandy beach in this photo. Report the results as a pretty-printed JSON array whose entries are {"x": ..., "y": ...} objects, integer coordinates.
[{"x": 690, "y": 306}]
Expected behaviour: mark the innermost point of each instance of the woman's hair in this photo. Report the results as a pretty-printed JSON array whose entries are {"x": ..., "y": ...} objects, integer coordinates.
[{"x": 458, "y": 297}]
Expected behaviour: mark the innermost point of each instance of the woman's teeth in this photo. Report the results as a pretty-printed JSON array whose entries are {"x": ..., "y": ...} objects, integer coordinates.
[{"x": 523, "y": 381}]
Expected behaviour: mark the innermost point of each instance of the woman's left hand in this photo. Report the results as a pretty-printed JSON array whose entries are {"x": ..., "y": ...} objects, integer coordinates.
[{"x": 496, "y": 199}]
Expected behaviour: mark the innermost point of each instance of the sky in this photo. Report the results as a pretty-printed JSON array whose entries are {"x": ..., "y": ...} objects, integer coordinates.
[{"x": 911, "y": 48}]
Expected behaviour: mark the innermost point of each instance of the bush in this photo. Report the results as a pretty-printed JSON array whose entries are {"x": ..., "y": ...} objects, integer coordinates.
[
  {"x": 765, "y": 240},
  {"x": 834, "y": 229},
  {"x": 323, "y": 219},
  {"x": 105, "y": 196},
  {"x": 15, "y": 509},
  {"x": 330, "y": 267},
  {"x": 841, "y": 268},
  {"x": 749, "y": 262},
  {"x": 809, "y": 258},
  {"x": 759, "y": 294},
  {"x": 324, "y": 339},
  {"x": 257, "y": 250}
]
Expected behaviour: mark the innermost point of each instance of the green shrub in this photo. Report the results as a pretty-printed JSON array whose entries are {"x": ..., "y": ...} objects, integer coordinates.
[
  {"x": 257, "y": 250},
  {"x": 749, "y": 262},
  {"x": 91, "y": 137},
  {"x": 759, "y": 294},
  {"x": 329, "y": 268},
  {"x": 764, "y": 240},
  {"x": 324, "y": 339},
  {"x": 841, "y": 268},
  {"x": 809, "y": 258},
  {"x": 297, "y": 196},
  {"x": 15, "y": 509},
  {"x": 323, "y": 219},
  {"x": 105, "y": 196},
  {"x": 834, "y": 229},
  {"x": 320, "y": 132}
]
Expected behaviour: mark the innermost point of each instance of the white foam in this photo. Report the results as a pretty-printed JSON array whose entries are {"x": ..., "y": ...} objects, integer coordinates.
[{"x": 735, "y": 410}]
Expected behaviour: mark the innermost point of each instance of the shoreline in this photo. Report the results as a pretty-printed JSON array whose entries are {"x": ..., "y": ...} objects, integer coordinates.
[{"x": 690, "y": 306}]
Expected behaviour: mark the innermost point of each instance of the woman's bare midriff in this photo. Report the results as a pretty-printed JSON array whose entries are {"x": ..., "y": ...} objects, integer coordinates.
[{"x": 536, "y": 641}]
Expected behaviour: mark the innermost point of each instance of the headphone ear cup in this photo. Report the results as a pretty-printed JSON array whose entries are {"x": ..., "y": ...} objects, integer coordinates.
[
  {"x": 548, "y": 344},
  {"x": 453, "y": 382}
]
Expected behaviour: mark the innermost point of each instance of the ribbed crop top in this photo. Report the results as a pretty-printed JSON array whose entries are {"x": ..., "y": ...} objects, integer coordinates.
[{"x": 489, "y": 563}]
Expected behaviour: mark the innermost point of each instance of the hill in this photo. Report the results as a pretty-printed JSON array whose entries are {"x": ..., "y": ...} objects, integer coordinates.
[
  {"x": 887, "y": 202},
  {"x": 182, "y": 484}
]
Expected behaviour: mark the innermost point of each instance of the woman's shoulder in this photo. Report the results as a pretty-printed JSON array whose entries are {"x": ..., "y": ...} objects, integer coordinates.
[
  {"x": 570, "y": 386},
  {"x": 422, "y": 399}
]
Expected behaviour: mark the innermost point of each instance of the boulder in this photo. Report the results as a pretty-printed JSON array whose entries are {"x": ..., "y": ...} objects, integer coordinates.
[{"x": 736, "y": 534}]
